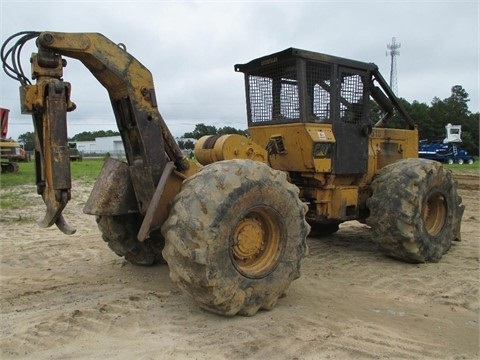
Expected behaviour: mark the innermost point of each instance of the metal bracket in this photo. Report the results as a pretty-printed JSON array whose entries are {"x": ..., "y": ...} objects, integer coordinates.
[{"x": 153, "y": 218}]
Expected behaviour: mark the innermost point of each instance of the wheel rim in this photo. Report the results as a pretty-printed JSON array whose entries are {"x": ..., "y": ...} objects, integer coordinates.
[
  {"x": 435, "y": 213},
  {"x": 256, "y": 243}
]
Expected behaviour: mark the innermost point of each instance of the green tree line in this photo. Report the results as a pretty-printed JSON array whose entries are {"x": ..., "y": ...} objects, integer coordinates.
[
  {"x": 430, "y": 119},
  {"x": 28, "y": 138}
]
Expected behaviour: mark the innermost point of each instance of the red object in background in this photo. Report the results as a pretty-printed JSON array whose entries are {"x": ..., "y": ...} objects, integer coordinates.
[{"x": 4, "y": 122}]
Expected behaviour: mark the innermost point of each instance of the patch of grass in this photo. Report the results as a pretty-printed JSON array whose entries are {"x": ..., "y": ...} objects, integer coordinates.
[
  {"x": 24, "y": 219},
  {"x": 17, "y": 219},
  {"x": 474, "y": 168},
  {"x": 24, "y": 176},
  {"x": 14, "y": 199},
  {"x": 86, "y": 170}
]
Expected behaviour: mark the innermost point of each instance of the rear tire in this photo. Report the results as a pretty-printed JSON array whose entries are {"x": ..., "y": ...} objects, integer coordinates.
[
  {"x": 10, "y": 167},
  {"x": 120, "y": 233},
  {"x": 235, "y": 237},
  {"x": 415, "y": 210}
]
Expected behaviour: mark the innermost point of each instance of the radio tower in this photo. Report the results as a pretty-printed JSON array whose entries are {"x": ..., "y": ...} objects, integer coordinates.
[{"x": 393, "y": 47}]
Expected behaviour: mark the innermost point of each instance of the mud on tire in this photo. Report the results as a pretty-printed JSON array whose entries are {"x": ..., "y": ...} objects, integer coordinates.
[
  {"x": 235, "y": 237},
  {"x": 120, "y": 233},
  {"x": 415, "y": 211}
]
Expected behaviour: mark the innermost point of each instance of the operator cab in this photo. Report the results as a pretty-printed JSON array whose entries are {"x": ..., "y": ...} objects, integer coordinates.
[{"x": 302, "y": 87}]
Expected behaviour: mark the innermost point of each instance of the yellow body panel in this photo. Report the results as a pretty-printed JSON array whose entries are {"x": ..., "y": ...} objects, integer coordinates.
[
  {"x": 334, "y": 197},
  {"x": 298, "y": 144},
  {"x": 344, "y": 202},
  {"x": 390, "y": 145}
]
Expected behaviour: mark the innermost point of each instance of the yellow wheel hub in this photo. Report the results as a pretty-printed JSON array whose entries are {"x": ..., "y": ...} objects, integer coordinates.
[
  {"x": 256, "y": 244},
  {"x": 435, "y": 213}
]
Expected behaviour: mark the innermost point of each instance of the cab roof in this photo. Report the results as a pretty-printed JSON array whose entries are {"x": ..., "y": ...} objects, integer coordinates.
[{"x": 293, "y": 53}]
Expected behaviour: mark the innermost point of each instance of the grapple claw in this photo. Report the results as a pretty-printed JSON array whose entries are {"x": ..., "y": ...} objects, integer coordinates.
[
  {"x": 51, "y": 216},
  {"x": 55, "y": 205},
  {"x": 56, "y": 217},
  {"x": 64, "y": 227}
]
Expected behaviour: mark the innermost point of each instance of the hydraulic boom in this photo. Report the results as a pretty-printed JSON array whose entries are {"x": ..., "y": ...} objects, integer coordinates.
[{"x": 148, "y": 142}]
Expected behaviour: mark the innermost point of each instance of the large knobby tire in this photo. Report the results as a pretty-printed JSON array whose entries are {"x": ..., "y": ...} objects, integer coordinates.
[
  {"x": 120, "y": 233},
  {"x": 415, "y": 211},
  {"x": 235, "y": 237}
]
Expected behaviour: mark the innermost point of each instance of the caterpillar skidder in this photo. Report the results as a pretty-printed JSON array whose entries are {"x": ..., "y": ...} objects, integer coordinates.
[{"x": 233, "y": 226}]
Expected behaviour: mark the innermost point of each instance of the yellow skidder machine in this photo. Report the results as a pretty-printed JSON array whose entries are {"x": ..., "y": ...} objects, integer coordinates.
[
  {"x": 11, "y": 152},
  {"x": 233, "y": 226}
]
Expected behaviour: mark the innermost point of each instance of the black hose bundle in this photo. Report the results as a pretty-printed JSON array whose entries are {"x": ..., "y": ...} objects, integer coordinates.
[{"x": 14, "y": 70}]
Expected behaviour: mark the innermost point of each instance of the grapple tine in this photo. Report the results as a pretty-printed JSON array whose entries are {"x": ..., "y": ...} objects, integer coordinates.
[
  {"x": 55, "y": 217},
  {"x": 63, "y": 226},
  {"x": 56, "y": 202},
  {"x": 50, "y": 218}
]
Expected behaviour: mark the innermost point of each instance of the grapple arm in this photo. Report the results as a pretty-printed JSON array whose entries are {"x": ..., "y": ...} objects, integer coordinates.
[
  {"x": 148, "y": 142},
  {"x": 48, "y": 101}
]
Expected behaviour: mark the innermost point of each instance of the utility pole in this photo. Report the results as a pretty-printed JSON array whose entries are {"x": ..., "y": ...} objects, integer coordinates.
[{"x": 393, "y": 47}]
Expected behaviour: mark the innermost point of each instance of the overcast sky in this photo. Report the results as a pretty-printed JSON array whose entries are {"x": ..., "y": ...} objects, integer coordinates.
[{"x": 191, "y": 47}]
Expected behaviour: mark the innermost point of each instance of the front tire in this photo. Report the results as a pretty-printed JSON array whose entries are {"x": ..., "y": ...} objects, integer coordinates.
[
  {"x": 120, "y": 233},
  {"x": 415, "y": 210},
  {"x": 235, "y": 237}
]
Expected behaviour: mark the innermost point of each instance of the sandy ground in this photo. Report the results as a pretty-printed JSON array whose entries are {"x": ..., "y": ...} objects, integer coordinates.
[{"x": 71, "y": 297}]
